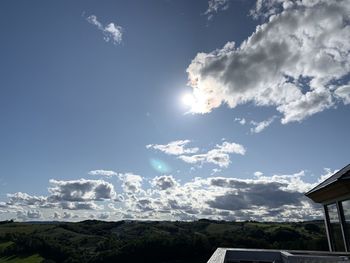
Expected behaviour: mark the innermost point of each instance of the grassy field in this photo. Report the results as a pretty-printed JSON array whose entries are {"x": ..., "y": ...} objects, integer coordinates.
[
  {"x": 5, "y": 245},
  {"x": 14, "y": 259},
  {"x": 30, "y": 259}
]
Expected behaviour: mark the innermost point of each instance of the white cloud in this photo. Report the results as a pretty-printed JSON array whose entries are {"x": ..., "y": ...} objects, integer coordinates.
[
  {"x": 327, "y": 173},
  {"x": 343, "y": 93},
  {"x": 214, "y": 6},
  {"x": 260, "y": 126},
  {"x": 215, "y": 170},
  {"x": 29, "y": 215},
  {"x": 258, "y": 173},
  {"x": 219, "y": 155},
  {"x": 26, "y": 199},
  {"x": 266, "y": 8},
  {"x": 132, "y": 183},
  {"x": 79, "y": 206},
  {"x": 71, "y": 195},
  {"x": 279, "y": 197},
  {"x": 164, "y": 182},
  {"x": 174, "y": 148},
  {"x": 56, "y": 215},
  {"x": 241, "y": 121},
  {"x": 290, "y": 62},
  {"x": 107, "y": 173},
  {"x": 81, "y": 190},
  {"x": 231, "y": 147},
  {"x": 115, "y": 32},
  {"x": 67, "y": 215},
  {"x": 111, "y": 32},
  {"x": 33, "y": 214},
  {"x": 103, "y": 216}
]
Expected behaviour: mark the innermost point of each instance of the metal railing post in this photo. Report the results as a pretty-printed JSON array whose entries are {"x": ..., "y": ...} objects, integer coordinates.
[
  {"x": 343, "y": 225},
  {"x": 328, "y": 228}
]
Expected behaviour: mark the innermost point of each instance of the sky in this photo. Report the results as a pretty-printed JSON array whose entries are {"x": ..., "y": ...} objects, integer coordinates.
[{"x": 171, "y": 110}]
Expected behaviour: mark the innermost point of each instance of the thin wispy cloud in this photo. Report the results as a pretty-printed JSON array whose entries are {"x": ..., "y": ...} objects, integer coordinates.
[
  {"x": 220, "y": 155},
  {"x": 262, "y": 125},
  {"x": 174, "y": 148},
  {"x": 111, "y": 32},
  {"x": 343, "y": 93},
  {"x": 215, "y": 6},
  {"x": 241, "y": 121},
  {"x": 215, "y": 170},
  {"x": 107, "y": 173},
  {"x": 90, "y": 205}
]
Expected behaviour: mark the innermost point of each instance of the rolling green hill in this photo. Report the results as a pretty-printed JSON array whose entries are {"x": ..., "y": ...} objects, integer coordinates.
[
  {"x": 140, "y": 241},
  {"x": 25, "y": 259}
]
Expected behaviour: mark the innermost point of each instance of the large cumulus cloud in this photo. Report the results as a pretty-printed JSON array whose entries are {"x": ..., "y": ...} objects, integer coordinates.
[
  {"x": 260, "y": 197},
  {"x": 81, "y": 190},
  {"x": 277, "y": 197},
  {"x": 296, "y": 62},
  {"x": 164, "y": 182}
]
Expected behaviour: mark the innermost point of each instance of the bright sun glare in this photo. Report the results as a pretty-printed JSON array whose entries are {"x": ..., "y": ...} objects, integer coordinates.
[{"x": 188, "y": 99}]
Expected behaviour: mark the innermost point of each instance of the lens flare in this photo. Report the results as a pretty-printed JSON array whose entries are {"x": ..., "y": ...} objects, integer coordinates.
[
  {"x": 188, "y": 99},
  {"x": 160, "y": 166}
]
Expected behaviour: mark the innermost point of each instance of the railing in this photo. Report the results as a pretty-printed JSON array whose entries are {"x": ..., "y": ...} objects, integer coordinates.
[{"x": 238, "y": 255}]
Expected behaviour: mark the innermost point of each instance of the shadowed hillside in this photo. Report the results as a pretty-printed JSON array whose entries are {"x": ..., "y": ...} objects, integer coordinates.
[{"x": 135, "y": 241}]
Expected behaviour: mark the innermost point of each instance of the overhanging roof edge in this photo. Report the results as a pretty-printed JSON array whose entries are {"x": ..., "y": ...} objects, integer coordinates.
[{"x": 334, "y": 178}]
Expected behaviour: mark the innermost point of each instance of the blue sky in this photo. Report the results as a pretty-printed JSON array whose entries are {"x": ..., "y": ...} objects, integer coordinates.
[{"x": 92, "y": 98}]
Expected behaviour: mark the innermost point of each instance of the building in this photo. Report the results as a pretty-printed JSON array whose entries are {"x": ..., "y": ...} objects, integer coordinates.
[{"x": 334, "y": 195}]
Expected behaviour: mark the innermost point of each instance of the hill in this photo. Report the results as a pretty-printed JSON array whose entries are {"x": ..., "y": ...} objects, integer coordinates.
[{"x": 95, "y": 241}]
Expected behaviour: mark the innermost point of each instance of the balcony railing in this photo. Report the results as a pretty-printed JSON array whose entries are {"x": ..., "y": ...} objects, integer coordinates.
[{"x": 232, "y": 255}]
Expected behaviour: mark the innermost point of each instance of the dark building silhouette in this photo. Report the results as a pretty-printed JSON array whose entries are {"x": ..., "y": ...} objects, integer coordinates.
[{"x": 334, "y": 195}]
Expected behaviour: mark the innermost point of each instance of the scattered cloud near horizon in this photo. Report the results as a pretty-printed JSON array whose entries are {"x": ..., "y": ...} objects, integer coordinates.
[
  {"x": 111, "y": 32},
  {"x": 264, "y": 198},
  {"x": 174, "y": 148},
  {"x": 297, "y": 61},
  {"x": 107, "y": 173},
  {"x": 219, "y": 155}
]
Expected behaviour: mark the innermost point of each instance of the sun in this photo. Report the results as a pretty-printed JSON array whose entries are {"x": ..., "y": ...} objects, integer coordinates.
[{"x": 188, "y": 99}]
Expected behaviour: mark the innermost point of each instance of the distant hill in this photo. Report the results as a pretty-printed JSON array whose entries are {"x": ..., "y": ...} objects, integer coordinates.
[{"x": 95, "y": 241}]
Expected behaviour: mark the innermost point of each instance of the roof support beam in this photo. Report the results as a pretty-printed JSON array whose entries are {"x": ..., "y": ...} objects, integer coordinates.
[{"x": 343, "y": 225}]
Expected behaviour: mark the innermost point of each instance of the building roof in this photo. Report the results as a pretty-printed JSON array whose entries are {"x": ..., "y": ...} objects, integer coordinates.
[{"x": 330, "y": 188}]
